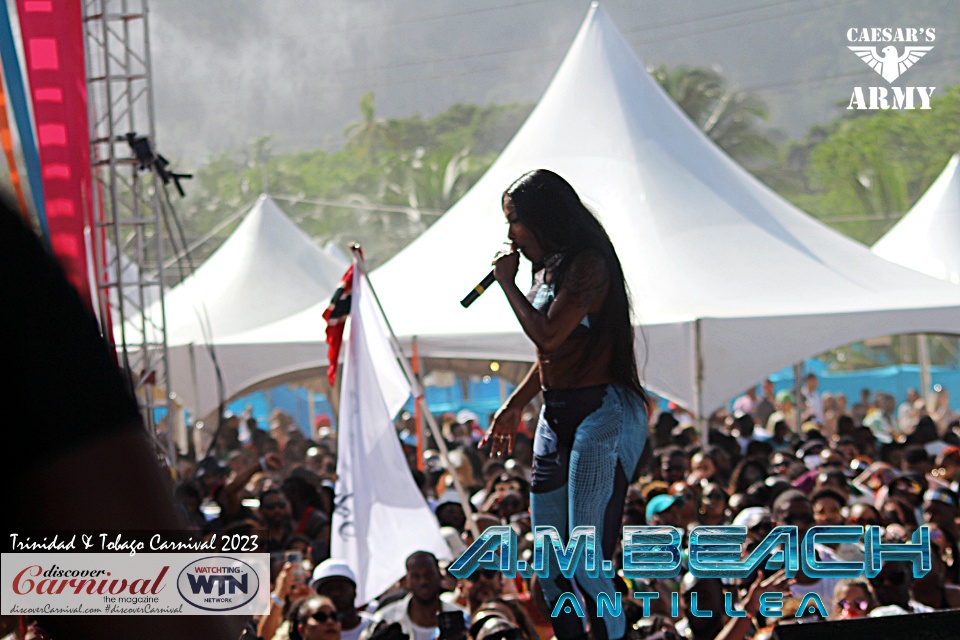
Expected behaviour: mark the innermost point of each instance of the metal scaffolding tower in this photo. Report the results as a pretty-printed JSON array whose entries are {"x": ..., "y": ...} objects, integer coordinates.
[{"x": 128, "y": 199}]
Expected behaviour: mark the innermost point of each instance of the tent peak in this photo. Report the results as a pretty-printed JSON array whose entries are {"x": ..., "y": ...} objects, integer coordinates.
[
  {"x": 925, "y": 238},
  {"x": 701, "y": 241}
]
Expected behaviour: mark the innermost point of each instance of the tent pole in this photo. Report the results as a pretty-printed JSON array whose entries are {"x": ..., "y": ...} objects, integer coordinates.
[
  {"x": 797, "y": 396},
  {"x": 333, "y": 397},
  {"x": 311, "y": 411},
  {"x": 698, "y": 384},
  {"x": 418, "y": 394},
  {"x": 923, "y": 358},
  {"x": 418, "y": 408},
  {"x": 198, "y": 444}
]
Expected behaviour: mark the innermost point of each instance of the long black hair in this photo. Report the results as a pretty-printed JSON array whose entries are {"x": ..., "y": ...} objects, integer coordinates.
[{"x": 551, "y": 210}]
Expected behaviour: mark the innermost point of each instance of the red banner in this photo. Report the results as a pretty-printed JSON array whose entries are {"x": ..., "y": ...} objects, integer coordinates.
[
  {"x": 53, "y": 45},
  {"x": 336, "y": 315}
]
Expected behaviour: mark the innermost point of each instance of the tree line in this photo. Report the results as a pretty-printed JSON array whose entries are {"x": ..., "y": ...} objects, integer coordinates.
[{"x": 393, "y": 177}]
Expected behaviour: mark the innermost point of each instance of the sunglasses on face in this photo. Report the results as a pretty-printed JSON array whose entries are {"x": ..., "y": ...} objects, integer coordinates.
[
  {"x": 489, "y": 574},
  {"x": 859, "y": 604},
  {"x": 714, "y": 496},
  {"x": 273, "y": 505},
  {"x": 322, "y": 616}
]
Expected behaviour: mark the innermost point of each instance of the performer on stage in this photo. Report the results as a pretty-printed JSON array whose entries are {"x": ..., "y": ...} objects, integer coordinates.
[{"x": 593, "y": 425}]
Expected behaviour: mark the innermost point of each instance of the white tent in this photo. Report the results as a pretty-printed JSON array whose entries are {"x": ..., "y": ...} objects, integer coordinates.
[
  {"x": 292, "y": 349},
  {"x": 927, "y": 238},
  {"x": 729, "y": 281},
  {"x": 267, "y": 270}
]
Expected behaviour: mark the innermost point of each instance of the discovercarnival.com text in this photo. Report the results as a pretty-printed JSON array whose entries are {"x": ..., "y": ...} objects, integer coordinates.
[{"x": 110, "y": 608}]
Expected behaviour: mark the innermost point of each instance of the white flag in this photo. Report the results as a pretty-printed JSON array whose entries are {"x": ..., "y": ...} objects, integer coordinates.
[{"x": 381, "y": 517}]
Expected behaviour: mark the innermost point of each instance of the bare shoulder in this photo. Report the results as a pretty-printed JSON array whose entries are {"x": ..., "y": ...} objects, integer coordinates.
[
  {"x": 587, "y": 278},
  {"x": 590, "y": 259}
]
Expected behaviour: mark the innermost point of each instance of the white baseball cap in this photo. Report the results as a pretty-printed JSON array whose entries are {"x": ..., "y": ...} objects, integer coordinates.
[
  {"x": 466, "y": 416},
  {"x": 751, "y": 517},
  {"x": 331, "y": 568}
]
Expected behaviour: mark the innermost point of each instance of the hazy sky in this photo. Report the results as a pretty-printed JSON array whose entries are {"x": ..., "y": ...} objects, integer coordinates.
[{"x": 228, "y": 71}]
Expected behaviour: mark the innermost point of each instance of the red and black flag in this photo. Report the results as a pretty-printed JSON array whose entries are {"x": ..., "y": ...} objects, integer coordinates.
[{"x": 336, "y": 317}]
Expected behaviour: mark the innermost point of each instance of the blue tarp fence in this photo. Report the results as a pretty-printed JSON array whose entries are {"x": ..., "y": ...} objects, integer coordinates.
[{"x": 483, "y": 395}]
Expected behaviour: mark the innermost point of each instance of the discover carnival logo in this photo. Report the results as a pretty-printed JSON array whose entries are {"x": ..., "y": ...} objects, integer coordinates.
[
  {"x": 878, "y": 48},
  {"x": 218, "y": 583},
  {"x": 143, "y": 584}
]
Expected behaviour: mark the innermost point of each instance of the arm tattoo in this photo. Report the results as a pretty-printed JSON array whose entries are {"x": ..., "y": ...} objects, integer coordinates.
[{"x": 587, "y": 279}]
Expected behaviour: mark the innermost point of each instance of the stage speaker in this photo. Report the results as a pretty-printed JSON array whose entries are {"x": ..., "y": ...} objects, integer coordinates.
[{"x": 936, "y": 625}]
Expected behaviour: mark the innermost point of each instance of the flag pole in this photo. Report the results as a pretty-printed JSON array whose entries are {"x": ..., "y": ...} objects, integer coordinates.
[
  {"x": 417, "y": 409},
  {"x": 420, "y": 397}
]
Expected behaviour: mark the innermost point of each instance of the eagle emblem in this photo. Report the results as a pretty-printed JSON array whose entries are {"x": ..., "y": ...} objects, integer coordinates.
[{"x": 888, "y": 63}]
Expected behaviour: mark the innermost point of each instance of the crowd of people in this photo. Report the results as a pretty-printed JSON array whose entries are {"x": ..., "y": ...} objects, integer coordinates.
[
  {"x": 870, "y": 463},
  {"x": 772, "y": 460}
]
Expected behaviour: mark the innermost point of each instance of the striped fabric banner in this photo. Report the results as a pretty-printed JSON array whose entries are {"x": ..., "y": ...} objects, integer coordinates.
[
  {"x": 21, "y": 115},
  {"x": 6, "y": 141},
  {"x": 53, "y": 45}
]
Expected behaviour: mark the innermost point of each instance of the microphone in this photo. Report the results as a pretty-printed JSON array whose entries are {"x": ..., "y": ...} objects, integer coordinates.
[{"x": 477, "y": 290}]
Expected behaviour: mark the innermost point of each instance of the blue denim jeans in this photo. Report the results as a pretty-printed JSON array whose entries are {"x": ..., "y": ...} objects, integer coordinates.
[{"x": 586, "y": 450}]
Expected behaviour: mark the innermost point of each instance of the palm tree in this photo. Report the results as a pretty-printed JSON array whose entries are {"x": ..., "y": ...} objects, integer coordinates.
[
  {"x": 439, "y": 180},
  {"x": 729, "y": 117},
  {"x": 369, "y": 135}
]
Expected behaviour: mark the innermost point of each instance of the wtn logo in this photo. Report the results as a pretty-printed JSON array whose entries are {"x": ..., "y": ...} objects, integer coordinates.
[
  {"x": 890, "y": 64},
  {"x": 218, "y": 583},
  {"x": 226, "y": 584}
]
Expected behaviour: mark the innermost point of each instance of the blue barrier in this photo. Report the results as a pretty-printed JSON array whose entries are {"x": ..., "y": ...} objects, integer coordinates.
[
  {"x": 895, "y": 380},
  {"x": 483, "y": 394},
  {"x": 292, "y": 400}
]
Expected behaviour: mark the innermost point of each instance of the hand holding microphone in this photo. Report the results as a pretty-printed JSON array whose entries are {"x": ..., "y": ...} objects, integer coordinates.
[{"x": 506, "y": 262}]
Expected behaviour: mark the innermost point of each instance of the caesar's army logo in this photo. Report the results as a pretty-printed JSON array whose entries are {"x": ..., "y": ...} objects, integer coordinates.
[{"x": 881, "y": 50}]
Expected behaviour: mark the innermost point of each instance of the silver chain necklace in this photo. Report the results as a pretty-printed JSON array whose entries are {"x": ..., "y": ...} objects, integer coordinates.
[{"x": 550, "y": 262}]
